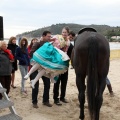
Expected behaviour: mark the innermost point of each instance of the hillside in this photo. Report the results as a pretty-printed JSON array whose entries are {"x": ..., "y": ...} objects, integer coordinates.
[{"x": 56, "y": 29}]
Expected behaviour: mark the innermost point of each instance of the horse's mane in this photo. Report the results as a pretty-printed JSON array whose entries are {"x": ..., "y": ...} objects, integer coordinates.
[{"x": 87, "y": 29}]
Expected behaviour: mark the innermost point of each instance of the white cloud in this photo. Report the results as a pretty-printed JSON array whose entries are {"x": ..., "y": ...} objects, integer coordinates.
[{"x": 32, "y": 14}]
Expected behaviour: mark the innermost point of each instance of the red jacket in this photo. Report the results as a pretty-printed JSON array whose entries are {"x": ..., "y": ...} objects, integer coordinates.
[{"x": 10, "y": 55}]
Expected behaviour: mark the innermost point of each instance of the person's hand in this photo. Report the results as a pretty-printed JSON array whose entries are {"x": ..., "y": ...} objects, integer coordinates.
[
  {"x": 52, "y": 39},
  {"x": 41, "y": 39},
  {"x": 11, "y": 60}
]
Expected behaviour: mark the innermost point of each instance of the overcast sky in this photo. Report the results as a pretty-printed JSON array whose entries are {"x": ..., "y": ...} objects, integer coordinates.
[{"x": 26, "y": 15}]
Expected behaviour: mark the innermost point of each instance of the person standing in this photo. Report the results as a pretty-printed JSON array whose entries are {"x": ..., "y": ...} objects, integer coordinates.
[
  {"x": 63, "y": 78},
  {"x": 71, "y": 37},
  {"x": 46, "y": 81},
  {"x": 21, "y": 55},
  {"x": 109, "y": 87},
  {"x": 31, "y": 44},
  {"x": 12, "y": 46},
  {"x": 5, "y": 66},
  {"x": 29, "y": 48}
]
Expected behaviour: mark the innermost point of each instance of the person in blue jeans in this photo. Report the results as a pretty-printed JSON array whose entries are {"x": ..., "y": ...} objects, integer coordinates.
[
  {"x": 21, "y": 54},
  {"x": 109, "y": 86}
]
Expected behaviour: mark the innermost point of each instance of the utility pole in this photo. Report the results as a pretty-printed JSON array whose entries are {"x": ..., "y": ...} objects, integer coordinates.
[{"x": 1, "y": 28}]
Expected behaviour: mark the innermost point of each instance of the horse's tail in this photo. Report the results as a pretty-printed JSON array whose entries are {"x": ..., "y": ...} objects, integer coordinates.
[{"x": 92, "y": 75}]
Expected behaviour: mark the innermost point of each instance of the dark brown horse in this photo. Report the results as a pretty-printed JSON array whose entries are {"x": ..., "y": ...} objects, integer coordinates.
[{"x": 91, "y": 57}]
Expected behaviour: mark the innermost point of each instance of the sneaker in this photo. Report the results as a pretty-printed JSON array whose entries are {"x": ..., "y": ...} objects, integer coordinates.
[
  {"x": 64, "y": 100},
  {"x": 47, "y": 104},
  {"x": 35, "y": 106},
  {"x": 26, "y": 77},
  {"x": 57, "y": 102},
  {"x": 32, "y": 84},
  {"x": 24, "y": 92}
]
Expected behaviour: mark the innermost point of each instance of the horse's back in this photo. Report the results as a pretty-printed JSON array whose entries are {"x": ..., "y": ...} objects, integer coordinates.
[
  {"x": 82, "y": 48},
  {"x": 83, "y": 39}
]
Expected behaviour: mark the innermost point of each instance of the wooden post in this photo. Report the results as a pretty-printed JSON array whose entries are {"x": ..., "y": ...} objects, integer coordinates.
[{"x": 1, "y": 28}]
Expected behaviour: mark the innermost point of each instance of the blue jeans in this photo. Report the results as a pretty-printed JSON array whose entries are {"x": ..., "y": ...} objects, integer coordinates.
[
  {"x": 107, "y": 81},
  {"x": 24, "y": 71}
]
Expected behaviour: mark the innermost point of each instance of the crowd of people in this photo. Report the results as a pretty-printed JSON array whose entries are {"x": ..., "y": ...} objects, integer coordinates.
[{"x": 47, "y": 58}]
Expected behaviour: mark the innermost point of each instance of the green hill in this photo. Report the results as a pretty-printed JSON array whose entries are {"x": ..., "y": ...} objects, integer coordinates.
[{"x": 56, "y": 29}]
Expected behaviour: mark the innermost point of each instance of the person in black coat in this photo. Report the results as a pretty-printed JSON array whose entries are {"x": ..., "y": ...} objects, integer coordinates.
[
  {"x": 46, "y": 81},
  {"x": 12, "y": 46},
  {"x": 71, "y": 37},
  {"x": 63, "y": 78},
  {"x": 5, "y": 67}
]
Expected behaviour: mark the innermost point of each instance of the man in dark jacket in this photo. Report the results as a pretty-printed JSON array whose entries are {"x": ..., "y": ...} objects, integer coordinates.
[
  {"x": 63, "y": 78},
  {"x": 45, "y": 38}
]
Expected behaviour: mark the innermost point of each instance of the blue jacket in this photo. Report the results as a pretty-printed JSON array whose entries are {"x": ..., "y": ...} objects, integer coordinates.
[{"x": 22, "y": 57}]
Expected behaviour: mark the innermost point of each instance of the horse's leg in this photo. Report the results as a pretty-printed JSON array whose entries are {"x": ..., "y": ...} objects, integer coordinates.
[
  {"x": 80, "y": 82},
  {"x": 101, "y": 83},
  {"x": 99, "y": 97}
]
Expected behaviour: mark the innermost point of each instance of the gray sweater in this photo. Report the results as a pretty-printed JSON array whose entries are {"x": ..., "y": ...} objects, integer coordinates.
[{"x": 5, "y": 64}]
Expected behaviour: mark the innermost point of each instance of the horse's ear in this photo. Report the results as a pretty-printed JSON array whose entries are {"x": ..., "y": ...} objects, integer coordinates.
[{"x": 87, "y": 29}]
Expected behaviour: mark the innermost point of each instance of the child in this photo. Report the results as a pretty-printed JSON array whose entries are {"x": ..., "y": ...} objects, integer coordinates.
[
  {"x": 50, "y": 62},
  {"x": 61, "y": 43}
]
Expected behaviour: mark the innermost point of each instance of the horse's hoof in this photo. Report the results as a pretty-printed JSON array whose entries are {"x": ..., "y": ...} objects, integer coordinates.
[{"x": 81, "y": 117}]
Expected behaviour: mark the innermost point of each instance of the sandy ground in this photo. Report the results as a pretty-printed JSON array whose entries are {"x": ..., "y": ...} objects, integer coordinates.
[{"x": 110, "y": 109}]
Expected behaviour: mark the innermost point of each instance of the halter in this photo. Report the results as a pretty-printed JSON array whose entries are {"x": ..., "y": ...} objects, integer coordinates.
[{"x": 87, "y": 29}]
